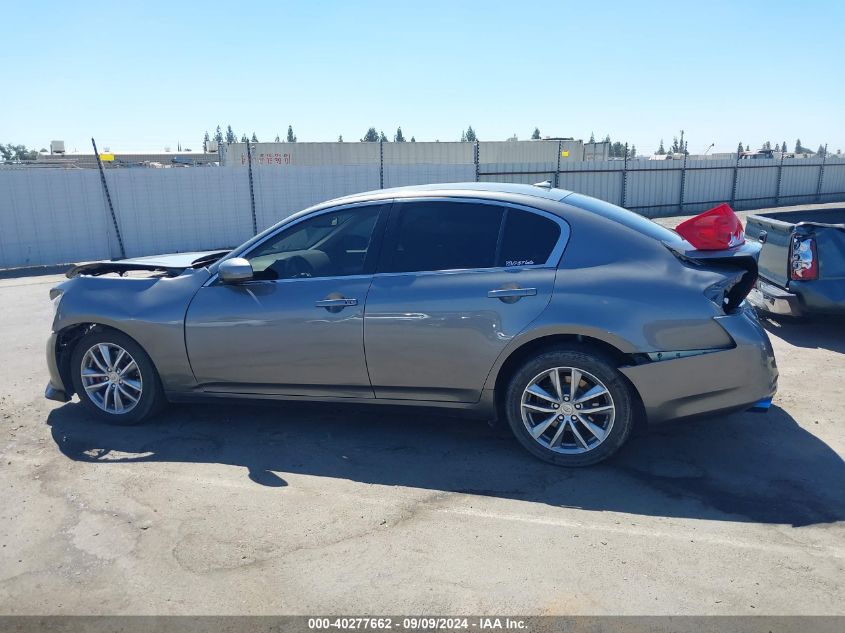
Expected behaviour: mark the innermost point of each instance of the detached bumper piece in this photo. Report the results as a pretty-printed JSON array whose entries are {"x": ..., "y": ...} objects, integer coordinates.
[
  {"x": 51, "y": 393},
  {"x": 762, "y": 406},
  {"x": 769, "y": 298}
]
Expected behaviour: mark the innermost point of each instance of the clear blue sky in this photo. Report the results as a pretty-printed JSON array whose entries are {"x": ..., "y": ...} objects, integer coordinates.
[{"x": 142, "y": 75}]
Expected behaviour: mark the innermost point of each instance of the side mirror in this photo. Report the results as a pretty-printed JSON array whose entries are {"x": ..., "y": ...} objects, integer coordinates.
[{"x": 235, "y": 271}]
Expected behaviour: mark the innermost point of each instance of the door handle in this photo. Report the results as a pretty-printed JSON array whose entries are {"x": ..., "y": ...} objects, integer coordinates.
[
  {"x": 511, "y": 295},
  {"x": 336, "y": 303}
]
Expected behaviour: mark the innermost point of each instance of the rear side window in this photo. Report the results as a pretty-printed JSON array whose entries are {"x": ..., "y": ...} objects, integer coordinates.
[
  {"x": 442, "y": 235},
  {"x": 528, "y": 239}
]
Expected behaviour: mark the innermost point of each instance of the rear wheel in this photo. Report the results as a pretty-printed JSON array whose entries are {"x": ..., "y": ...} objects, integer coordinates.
[
  {"x": 570, "y": 407},
  {"x": 115, "y": 378}
]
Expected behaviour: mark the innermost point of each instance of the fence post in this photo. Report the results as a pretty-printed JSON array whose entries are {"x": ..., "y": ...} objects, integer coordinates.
[
  {"x": 557, "y": 170},
  {"x": 381, "y": 164},
  {"x": 683, "y": 185},
  {"x": 624, "y": 178},
  {"x": 821, "y": 176},
  {"x": 108, "y": 199},
  {"x": 251, "y": 190},
  {"x": 780, "y": 179},
  {"x": 736, "y": 174},
  {"x": 477, "y": 159}
]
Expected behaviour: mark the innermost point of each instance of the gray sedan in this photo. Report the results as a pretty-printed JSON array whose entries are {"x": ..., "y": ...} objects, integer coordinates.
[{"x": 562, "y": 315}]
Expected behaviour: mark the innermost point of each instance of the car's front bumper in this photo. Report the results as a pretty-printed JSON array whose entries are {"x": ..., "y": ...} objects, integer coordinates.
[
  {"x": 730, "y": 379},
  {"x": 55, "y": 388}
]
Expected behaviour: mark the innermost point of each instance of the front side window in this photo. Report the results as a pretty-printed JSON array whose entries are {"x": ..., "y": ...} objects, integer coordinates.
[
  {"x": 439, "y": 235},
  {"x": 327, "y": 245}
]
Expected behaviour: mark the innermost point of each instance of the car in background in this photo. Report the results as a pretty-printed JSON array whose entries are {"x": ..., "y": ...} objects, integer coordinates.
[
  {"x": 802, "y": 262},
  {"x": 565, "y": 316}
]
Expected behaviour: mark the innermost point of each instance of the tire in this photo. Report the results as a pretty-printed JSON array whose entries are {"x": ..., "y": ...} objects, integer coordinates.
[
  {"x": 143, "y": 374},
  {"x": 614, "y": 408}
]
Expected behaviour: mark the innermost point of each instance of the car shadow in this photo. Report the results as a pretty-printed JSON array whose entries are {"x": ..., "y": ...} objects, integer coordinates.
[
  {"x": 741, "y": 467},
  {"x": 816, "y": 333}
]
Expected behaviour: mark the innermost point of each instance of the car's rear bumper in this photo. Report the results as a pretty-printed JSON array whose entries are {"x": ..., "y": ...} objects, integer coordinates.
[
  {"x": 774, "y": 300},
  {"x": 731, "y": 379}
]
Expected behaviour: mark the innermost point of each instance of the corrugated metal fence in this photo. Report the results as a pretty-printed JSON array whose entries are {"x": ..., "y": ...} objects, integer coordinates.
[{"x": 50, "y": 216}]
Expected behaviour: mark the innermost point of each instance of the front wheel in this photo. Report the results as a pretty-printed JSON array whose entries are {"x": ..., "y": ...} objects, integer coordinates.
[
  {"x": 115, "y": 378},
  {"x": 570, "y": 407}
]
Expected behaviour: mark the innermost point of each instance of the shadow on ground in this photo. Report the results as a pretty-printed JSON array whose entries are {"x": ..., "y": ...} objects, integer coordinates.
[
  {"x": 741, "y": 467},
  {"x": 816, "y": 333}
]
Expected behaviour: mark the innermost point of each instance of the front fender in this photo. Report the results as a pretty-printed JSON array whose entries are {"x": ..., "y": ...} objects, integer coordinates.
[{"x": 150, "y": 310}]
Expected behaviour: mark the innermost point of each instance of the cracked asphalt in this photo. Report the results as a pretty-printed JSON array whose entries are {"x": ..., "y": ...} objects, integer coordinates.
[{"x": 282, "y": 509}]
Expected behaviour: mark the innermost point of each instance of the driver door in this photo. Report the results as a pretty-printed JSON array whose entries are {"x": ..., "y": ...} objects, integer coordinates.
[{"x": 297, "y": 328}]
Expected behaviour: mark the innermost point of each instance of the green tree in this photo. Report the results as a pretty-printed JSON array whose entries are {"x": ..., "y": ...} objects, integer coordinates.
[
  {"x": 230, "y": 135},
  {"x": 276, "y": 140},
  {"x": 767, "y": 145},
  {"x": 371, "y": 136},
  {"x": 747, "y": 147},
  {"x": 340, "y": 138},
  {"x": 218, "y": 135},
  {"x": 291, "y": 138},
  {"x": 17, "y": 152},
  {"x": 676, "y": 149},
  {"x": 382, "y": 137},
  {"x": 470, "y": 135},
  {"x": 464, "y": 136},
  {"x": 661, "y": 150},
  {"x": 633, "y": 153},
  {"x": 592, "y": 138},
  {"x": 205, "y": 140},
  {"x": 254, "y": 138},
  {"x": 798, "y": 148},
  {"x": 244, "y": 139},
  {"x": 783, "y": 147},
  {"x": 821, "y": 152},
  {"x": 536, "y": 135},
  {"x": 739, "y": 149},
  {"x": 399, "y": 137},
  {"x": 413, "y": 140}
]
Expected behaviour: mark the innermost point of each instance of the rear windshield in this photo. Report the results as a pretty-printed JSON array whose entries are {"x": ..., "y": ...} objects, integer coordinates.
[{"x": 623, "y": 216}]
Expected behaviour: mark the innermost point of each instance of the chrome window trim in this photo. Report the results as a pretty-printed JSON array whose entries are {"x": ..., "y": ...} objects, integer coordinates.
[{"x": 551, "y": 262}]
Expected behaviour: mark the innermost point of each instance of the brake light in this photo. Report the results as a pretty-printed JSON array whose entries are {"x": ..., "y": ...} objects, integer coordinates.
[
  {"x": 714, "y": 230},
  {"x": 803, "y": 262}
]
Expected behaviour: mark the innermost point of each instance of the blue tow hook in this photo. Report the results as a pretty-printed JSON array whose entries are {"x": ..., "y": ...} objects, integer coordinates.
[{"x": 761, "y": 406}]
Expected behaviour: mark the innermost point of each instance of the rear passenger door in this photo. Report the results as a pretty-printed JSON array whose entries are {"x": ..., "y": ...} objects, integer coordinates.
[{"x": 458, "y": 278}]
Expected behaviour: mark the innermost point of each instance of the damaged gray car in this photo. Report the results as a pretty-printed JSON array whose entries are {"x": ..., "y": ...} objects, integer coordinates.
[{"x": 566, "y": 317}]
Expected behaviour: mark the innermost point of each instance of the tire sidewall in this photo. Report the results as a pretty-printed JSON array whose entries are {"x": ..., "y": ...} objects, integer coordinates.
[
  {"x": 589, "y": 361},
  {"x": 151, "y": 396}
]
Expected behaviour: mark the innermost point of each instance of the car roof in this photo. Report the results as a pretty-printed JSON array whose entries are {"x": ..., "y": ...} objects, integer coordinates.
[{"x": 453, "y": 189}]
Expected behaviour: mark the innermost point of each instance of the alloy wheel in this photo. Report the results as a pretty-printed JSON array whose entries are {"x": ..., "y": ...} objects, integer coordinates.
[
  {"x": 567, "y": 410},
  {"x": 111, "y": 378}
]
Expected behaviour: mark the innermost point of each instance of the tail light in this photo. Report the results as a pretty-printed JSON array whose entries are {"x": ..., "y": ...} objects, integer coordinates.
[
  {"x": 803, "y": 262},
  {"x": 714, "y": 230}
]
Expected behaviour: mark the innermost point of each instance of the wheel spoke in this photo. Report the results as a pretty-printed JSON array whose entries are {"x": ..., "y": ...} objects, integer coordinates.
[
  {"x": 117, "y": 360},
  {"x": 555, "y": 375},
  {"x": 593, "y": 428},
  {"x": 106, "y": 355},
  {"x": 558, "y": 434},
  {"x": 132, "y": 399},
  {"x": 543, "y": 426},
  {"x": 93, "y": 355},
  {"x": 118, "y": 402},
  {"x": 134, "y": 384},
  {"x": 607, "y": 407},
  {"x": 90, "y": 373},
  {"x": 578, "y": 437},
  {"x": 535, "y": 407},
  {"x": 573, "y": 386},
  {"x": 591, "y": 393},
  {"x": 96, "y": 386},
  {"x": 538, "y": 391},
  {"x": 129, "y": 366}
]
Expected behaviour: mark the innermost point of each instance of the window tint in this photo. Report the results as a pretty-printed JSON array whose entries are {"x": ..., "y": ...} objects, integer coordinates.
[
  {"x": 445, "y": 236},
  {"x": 327, "y": 245},
  {"x": 528, "y": 239}
]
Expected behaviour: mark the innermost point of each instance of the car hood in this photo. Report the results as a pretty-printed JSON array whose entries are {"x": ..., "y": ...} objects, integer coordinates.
[{"x": 172, "y": 264}]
